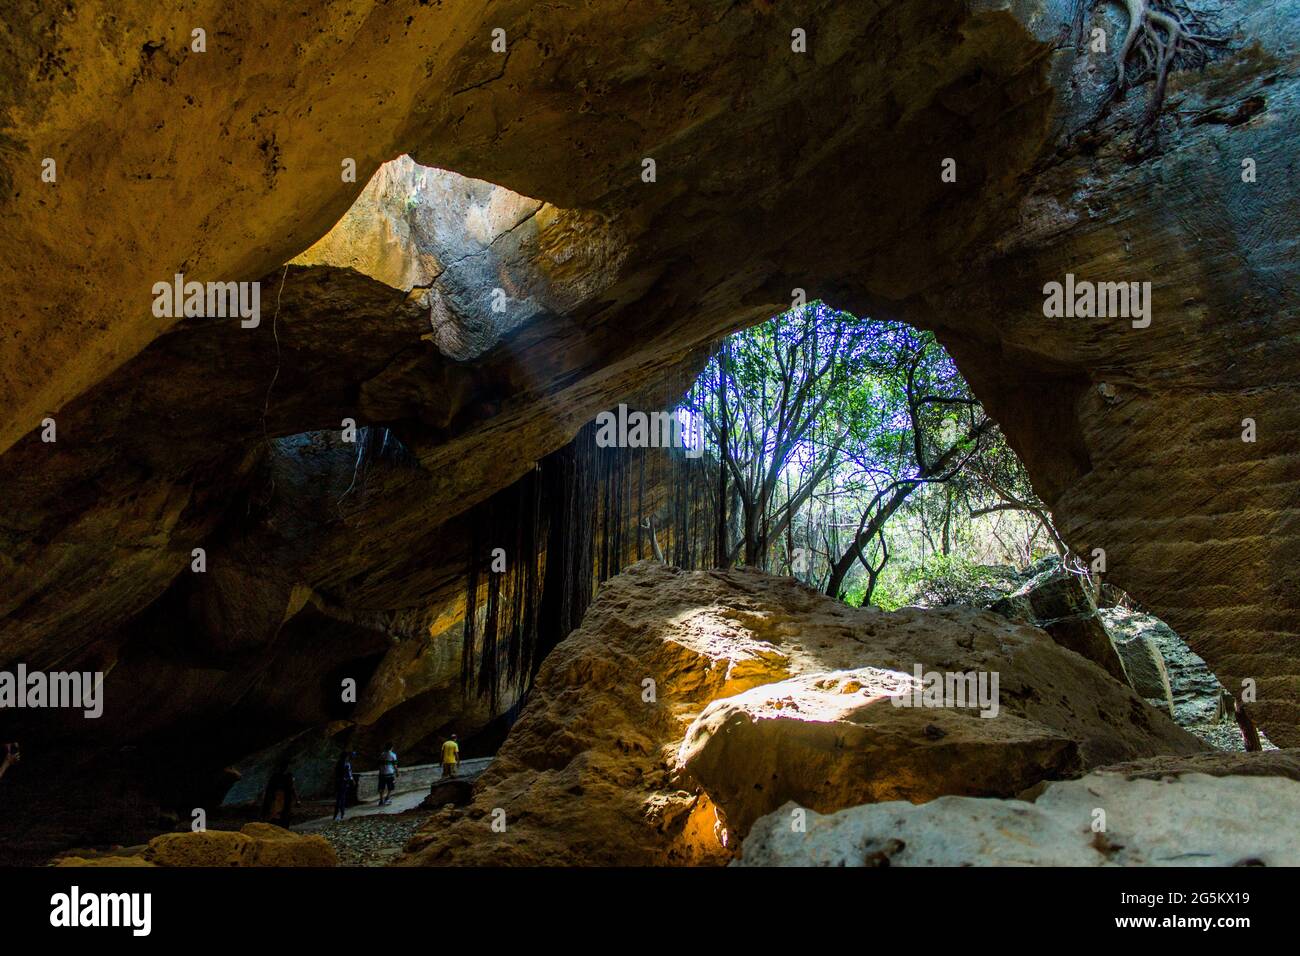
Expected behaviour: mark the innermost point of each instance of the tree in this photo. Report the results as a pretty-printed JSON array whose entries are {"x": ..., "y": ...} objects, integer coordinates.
[
  {"x": 824, "y": 423},
  {"x": 778, "y": 405},
  {"x": 944, "y": 428}
]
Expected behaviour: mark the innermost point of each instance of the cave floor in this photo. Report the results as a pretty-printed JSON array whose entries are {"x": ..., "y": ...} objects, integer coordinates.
[{"x": 372, "y": 835}]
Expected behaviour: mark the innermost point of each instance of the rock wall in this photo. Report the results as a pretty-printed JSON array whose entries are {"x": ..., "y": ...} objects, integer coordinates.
[
  {"x": 227, "y": 163},
  {"x": 689, "y": 704}
]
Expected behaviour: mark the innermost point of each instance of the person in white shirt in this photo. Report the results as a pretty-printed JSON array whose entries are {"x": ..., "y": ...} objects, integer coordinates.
[{"x": 387, "y": 774}]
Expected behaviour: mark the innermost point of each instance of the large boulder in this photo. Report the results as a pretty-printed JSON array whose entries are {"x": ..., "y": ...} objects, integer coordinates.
[
  {"x": 688, "y": 703},
  {"x": 1193, "y": 687},
  {"x": 1188, "y": 820},
  {"x": 448, "y": 791},
  {"x": 1146, "y": 671},
  {"x": 1195, "y": 692},
  {"x": 835, "y": 740},
  {"x": 1057, "y": 602},
  {"x": 256, "y": 844}
]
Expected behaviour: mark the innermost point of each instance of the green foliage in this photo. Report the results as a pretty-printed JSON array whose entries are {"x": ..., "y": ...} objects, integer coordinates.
[
  {"x": 953, "y": 579},
  {"x": 820, "y": 418}
]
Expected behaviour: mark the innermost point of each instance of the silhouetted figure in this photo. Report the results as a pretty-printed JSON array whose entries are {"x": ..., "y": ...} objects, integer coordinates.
[
  {"x": 342, "y": 783},
  {"x": 450, "y": 757},
  {"x": 281, "y": 795}
]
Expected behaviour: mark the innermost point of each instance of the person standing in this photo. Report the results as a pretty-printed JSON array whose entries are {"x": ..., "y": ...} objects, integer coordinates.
[
  {"x": 342, "y": 783},
  {"x": 450, "y": 757},
  {"x": 281, "y": 794},
  {"x": 387, "y": 774}
]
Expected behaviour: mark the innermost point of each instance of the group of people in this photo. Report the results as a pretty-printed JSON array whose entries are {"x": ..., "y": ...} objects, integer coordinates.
[
  {"x": 282, "y": 789},
  {"x": 345, "y": 779}
]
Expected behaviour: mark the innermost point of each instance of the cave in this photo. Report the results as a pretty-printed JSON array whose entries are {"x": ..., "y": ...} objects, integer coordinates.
[{"x": 328, "y": 328}]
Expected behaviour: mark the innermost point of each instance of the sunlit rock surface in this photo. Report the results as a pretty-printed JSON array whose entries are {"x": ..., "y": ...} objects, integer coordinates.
[
  {"x": 256, "y": 844},
  {"x": 774, "y": 171},
  {"x": 1189, "y": 820},
  {"x": 1056, "y": 601},
  {"x": 690, "y": 703}
]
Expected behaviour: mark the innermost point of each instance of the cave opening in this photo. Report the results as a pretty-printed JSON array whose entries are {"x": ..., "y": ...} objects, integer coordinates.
[{"x": 426, "y": 393}]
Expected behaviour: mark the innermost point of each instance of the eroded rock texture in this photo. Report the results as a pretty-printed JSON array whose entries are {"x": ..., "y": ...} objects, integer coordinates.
[
  {"x": 689, "y": 704},
  {"x": 255, "y": 844},
  {"x": 1189, "y": 820},
  {"x": 774, "y": 170}
]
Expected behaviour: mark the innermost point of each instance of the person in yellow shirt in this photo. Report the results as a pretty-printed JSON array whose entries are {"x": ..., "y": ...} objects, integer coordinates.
[{"x": 450, "y": 757}]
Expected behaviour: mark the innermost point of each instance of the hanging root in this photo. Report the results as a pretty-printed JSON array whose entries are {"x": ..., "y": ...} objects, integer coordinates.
[
  {"x": 649, "y": 525},
  {"x": 1162, "y": 35}
]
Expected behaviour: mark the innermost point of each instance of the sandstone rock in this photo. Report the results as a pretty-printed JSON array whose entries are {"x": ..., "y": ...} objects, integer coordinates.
[
  {"x": 1146, "y": 671},
  {"x": 256, "y": 844},
  {"x": 1131, "y": 436},
  {"x": 834, "y": 740},
  {"x": 204, "y": 848},
  {"x": 1261, "y": 763},
  {"x": 1057, "y": 602},
  {"x": 618, "y": 756},
  {"x": 275, "y": 846},
  {"x": 1190, "y": 820},
  {"x": 102, "y": 860},
  {"x": 453, "y": 791}
]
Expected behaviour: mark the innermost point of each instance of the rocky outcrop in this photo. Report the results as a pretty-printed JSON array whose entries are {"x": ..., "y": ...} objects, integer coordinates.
[
  {"x": 1134, "y": 437},
  {"x": 1146, "y": 671},
  {"x": 227, "y": 163},
  {"x": 688, "y": 704},
  {"x": 835, "y": 740},
  {"x": 1056, "y": 601},
  {"x": 1194, "y": 690},
  {"x": 444, "y": 792},
  {"x": 255, "y": 844},
  {"x": 319, "y": 559},
  {"x": 1099, "y": 820},
  {"x": 1261, "y": 763}
]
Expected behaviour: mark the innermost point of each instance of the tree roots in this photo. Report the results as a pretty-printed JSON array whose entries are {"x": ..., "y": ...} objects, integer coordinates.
[{"x": 1162, "y": 35}]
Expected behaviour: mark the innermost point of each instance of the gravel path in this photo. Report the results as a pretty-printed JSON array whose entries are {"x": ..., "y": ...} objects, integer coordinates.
[
  {"x": 372, "y": 840},
  {"x": 373, "y": 835}
]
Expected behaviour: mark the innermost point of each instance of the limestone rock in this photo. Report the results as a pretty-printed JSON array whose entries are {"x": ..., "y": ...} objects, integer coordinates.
[
  {"x": 1193, "y": 687},
  {"x": 1194, "y": 690},
  {"x": 1190, "y": 820}
]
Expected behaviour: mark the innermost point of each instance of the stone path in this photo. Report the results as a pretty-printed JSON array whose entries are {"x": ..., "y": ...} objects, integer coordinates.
[{"x": 372, "y": 835}]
